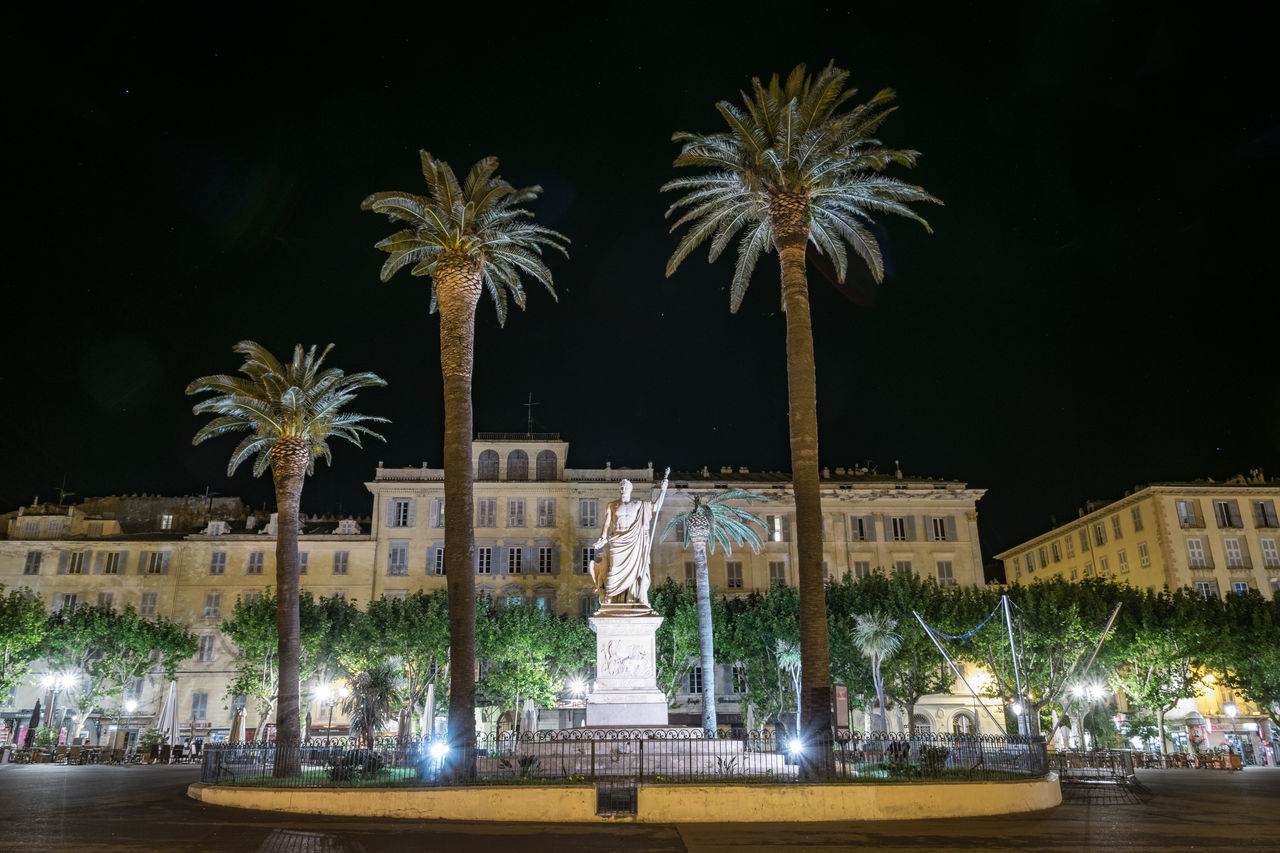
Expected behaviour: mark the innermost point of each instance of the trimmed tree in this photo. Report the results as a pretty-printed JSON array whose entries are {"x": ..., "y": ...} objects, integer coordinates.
[
  {"x": 711, "y": 520},
  {"x": 793, "y": 170},
  {"x": 874, "y": 637},
  {"x": 465, "y": 238},
  {"x": 23, "y": 625},
  {"x": 290, "y": 412}
]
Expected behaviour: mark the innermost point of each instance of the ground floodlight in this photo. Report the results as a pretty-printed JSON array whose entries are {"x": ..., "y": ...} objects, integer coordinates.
[
  {"x": 439, "y": 750},
  {"x": 795, "y": 746}
]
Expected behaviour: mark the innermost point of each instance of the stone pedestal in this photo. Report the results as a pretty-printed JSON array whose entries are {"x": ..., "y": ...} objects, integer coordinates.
[{"x": 626, "y": 693}]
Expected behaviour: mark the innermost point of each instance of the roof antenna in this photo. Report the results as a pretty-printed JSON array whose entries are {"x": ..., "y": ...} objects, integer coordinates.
[
  {"x": 62, "y": 491},
  {"x": 529, "y": 407}
]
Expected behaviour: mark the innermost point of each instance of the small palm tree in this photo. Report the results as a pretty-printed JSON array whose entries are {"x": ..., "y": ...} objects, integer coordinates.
[
  {"x": 874, "y": 637},
  {"x": 793, "y": 170},
  {"x": 375, "y": 698},
  {"x": 290, "y": 412},
  {"x": 466, "y": 238},
  {"x": 709, "y": 521}
]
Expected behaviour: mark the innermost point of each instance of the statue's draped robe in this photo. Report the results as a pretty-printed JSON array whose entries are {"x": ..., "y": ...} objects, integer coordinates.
[{"x": 628, "y": 558}]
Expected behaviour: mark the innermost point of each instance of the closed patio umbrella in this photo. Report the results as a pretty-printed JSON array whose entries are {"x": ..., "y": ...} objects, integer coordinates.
[
  {"x": 33, "y": 725},
  {"x": 237, "y": 727},
  {"x": 306, "y": 728},
  {"x": 168, "y": 723}
]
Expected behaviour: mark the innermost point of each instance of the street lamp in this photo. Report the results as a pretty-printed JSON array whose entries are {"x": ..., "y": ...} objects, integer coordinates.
[
  {"x": 1232, "y": 709},
  {"x": 330, "y": 694},
  {"x": 56, "y": 682}
]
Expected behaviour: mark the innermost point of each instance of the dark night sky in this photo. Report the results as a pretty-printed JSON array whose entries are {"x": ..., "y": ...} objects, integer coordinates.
[{"x": 1095, "y": 309}]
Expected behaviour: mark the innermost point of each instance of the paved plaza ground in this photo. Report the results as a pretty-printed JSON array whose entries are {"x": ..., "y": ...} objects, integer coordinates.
[{"x": 142, "y": 808}]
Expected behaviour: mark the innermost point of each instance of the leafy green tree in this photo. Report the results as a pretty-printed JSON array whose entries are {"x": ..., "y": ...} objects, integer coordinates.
[
  {"x": 791, "y": 170},
  {"x": 413, "y": 633},
  {"x": 374, "y": 699},
  {"x": 254, "y": 628},
  {"x": 466, "y": 238},
  {"x": 23, "y": 625},
  {"x": 677, "y": 641},
  {"x": 711, "y": 521},
  {"x": 105, "y": 649},
  {"x": 1247, "y": 649},
  {"x": 762, "y": 629},
  {"x": 874, "y": 637},
  {"x": 529, "y": 653},
  {"x": 290, "y": 412}
]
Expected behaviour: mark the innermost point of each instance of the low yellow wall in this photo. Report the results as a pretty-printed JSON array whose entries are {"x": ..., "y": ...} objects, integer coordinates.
[{"x": 655, "y": 804}]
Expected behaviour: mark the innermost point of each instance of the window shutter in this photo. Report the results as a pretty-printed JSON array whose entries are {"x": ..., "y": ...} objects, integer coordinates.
[
  {"x": 869, "y": 525},
  {"x": 431, "y": 560},
  {"x": 888, "y": 528},
  {"x": 1199, "y": 516},
  {"x": 413, "y": 512},
  {"x": 555, "y": 559},
  {"x": 500, "y": 555},
  {"x": 57, "y": 601},
  {"x": 928, "y": 528},
  {"x": 142, "y": 563},
  {"x": 63, "y": 559},
  {"x": 911, "y": 528},
  {"x": 390, "y": 519},
  {"x": 164, "y": 561},
  {"x": 529, "y": 562},
  {"x": 951, "y": 528},
  {"x": 786, "y": 528}
]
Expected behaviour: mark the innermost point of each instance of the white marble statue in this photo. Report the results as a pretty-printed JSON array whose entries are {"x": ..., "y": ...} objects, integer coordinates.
[{"x": 623, "y": 575}]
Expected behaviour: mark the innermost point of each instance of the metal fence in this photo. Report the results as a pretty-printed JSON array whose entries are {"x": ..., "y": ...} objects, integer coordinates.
[{"x": 633, "y": 756}]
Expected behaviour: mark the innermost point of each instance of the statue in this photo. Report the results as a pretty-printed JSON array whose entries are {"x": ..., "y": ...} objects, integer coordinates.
[{"x": 623, "y": 575}]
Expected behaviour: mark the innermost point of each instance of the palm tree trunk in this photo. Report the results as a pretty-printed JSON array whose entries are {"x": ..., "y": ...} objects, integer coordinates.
[
  {"x": 289, "y": 460},
  {"x": 458, "y": 290},
  {"x": 706, "y": 638},
  {"x": 802, "y": 398},
  {"x": 879, "y": 685}
]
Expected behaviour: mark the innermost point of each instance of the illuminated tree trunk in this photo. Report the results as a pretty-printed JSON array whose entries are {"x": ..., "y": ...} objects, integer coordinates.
[
  {"x": 289, "y": 459},
  {"x": 706, "y": 637}
]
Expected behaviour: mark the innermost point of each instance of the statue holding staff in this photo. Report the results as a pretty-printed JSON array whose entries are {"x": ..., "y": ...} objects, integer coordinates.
[{"x": 628, "y": 529}]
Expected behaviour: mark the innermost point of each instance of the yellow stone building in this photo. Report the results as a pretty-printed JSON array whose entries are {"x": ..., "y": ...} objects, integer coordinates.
[{"x": 535, "y": 520}]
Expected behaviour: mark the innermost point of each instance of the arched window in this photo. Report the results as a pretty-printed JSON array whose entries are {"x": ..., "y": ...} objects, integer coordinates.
[
  {"x": 517, "y": 465},
  {"x": 962, "y": 724},
  {"x": 487, "y": 469},
  {"x": 923, "y": 725},
  {"x": 546, "y": 465}
]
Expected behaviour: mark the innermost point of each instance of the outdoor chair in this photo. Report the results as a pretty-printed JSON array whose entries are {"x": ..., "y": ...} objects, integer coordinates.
[
  {"x": 60, "y": 755},
  {"x": 73, "y": 754}
]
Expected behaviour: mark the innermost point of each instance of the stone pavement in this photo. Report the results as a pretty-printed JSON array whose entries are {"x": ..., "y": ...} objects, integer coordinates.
[{"x": 141, "y": 808}]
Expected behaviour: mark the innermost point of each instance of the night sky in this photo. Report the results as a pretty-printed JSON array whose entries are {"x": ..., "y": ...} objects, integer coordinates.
[{"x": 1097, "y": 307}]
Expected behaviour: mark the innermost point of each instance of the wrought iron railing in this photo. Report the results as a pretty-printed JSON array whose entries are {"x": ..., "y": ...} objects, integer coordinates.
[{"x": 632, "y": 756}]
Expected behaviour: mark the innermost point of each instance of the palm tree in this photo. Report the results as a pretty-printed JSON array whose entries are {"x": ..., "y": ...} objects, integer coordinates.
[
  {"x": 290, "y": 412},
  {"x": 711, "y": 520},
  {"x": 466, "y": 238},
  {"x": 793, "y": 170},
  {"x": 874, "y": 637},
  {"x": 375, "y": 696}
]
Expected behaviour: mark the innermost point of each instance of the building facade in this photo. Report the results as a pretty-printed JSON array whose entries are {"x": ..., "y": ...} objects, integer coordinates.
[{"x": 535, "y": 521}]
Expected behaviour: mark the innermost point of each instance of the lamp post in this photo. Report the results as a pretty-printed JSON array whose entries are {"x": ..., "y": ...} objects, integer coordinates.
[
  {"x": 56, "y": 682},
  {"x": 1231, "y": 710},
  {"x": 329, "y": 695}
]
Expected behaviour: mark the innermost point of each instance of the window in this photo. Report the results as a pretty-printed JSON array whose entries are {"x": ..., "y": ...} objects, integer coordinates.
[
  {"x": 1030, "y": 560},
  {"x": 1270, "y": 553},
  {"x": 1071, "y": 546},
  {"x": 340, "y": 560},
  {"x": 205, "y": 653},
  {"x": 1235, "y": 556},
  {"x": 693, "y": 682},
  {"x": 34, "y": 558},
  {"x": 899, "y": 528},
  {"x": 1239, "y": 587},
  {"x": 1122, "y": 559},
  {"x": 437, "y": 512},
  {"x": 1227, "y": 513},
  {"x": 1115, "y": 527},
  {"x": 779, "y": 528},
  {"x": 946, "y": 576},
  {"x": 514, "y": 558},
  {"x": 1088, "y": 570},
  {"x": 939, "y": 529},
  {"x": 513, "y": 597},
  {"x": 111, "y": 563},
  {"x": 1100, "y": 534},
  {"x": 256, "y": 561},
  {"x": 1042, "y": 557},
  {"x": 484, "y": 560},
  {"x": 546, "y": 512},
  {"x": 515, "y": 512},
  {"x": 105, "y": 599},
  {"x": 588, "y": 511},
  {"x": 690, "y": 572},
  {"x": 777, "y": 573},
  {"x": 396, "y": 594},
  {"x": 545, "y": 559},
  {"x": 586, "y": 558},
  {"x": 826, "y": 571},
  {"x": 861, "y": 569},
  {"x": 903, "y": 566},
  {"x": 586, "y": 604},
  {"x": 1195, "y": 553},
  {"x": 487, "y": 468},
  {"x": 1264, "y": 514},
  {"x": 398, "y": 558},
  {"x": 1017, "y": 567},
  {"x": 1056, "y": 550},
  {"x": 1104, "y": 567},
  {"x": 545, "y": 465},
  {"x": 738, "y": 678},
  {"x": 400, "y": 512},
  {"x": 545, "y": 600},
  {"x": 733, "y": 572},
  {"x": 213, "y": 605},
  {"x": 517, "y": 466},
  {"x": 1186, "y": 513},
  {"x": 252, "y": 597},
  {"x": 859, "y": 528},
  {"x": 487, "y": 512},
  {"x": 677, "y": 532},
  {"x": 199, "y": 705},
  {"x": 218, "y": 563},
  {"x": 1074, "y": 574},
  {"x": 135, "y": 689},
  {"x": 303, "y": 560},
  {"x": 439, "y": 561},
  {"x": 148, "y": 606},
  {"x": 1136, "y": 513},
  {"x": 166, "y": 522},
  {"x": 1207, "y": 589},
  {"x": 1084, "y": 540},
  {"x": 1144, "y": 559}
]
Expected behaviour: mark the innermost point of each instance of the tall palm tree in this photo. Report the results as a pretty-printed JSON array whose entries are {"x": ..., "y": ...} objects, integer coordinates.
[
  {"x": 873, "y": 636},
  {"x": 290, "y": 412},
  {"x": 711, "y": 520},
  {"x": 375, "y": 697},
  {"x": 466, "y": 238},
  {"x": 791, "y": 170}
]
